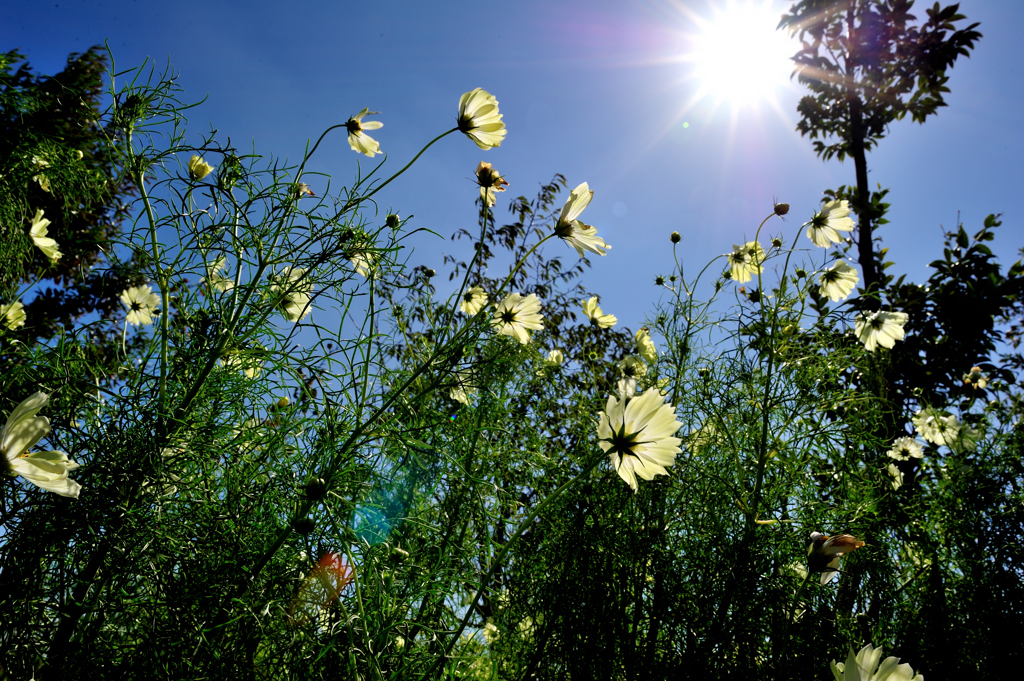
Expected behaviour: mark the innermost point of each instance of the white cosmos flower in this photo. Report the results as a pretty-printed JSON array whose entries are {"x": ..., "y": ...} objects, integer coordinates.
[
  {"x": 838, "y": 281},
  {"x": 363, "y": 262},
  {"x": 214, "y": 279},
  {"x": 879, "y": 328},
  {"x": 473, "y": 300},
  {"x": 936, "y": 427},
  {"x": 357, "y": 139},
  {"x": 745, "y": 261},
  {"x": 645, "y": 346},
  {"x": 461, "y": 391},
  {"x": 141, "y": 303},
  {"x": 597, "y": 317},
  {"x": 22, "y": 432},
  {"x": 479, "y": 119},
  {"x": 516, "y": 314},
  {"x": 834, "y": 217},
  {"x": 639, "y": 433},
  {"x": 38, "y": 233},
  {"x": 905, "y": 448},
  {"x": 864, "y": 666},
  {"x": 578, "y": 235},
  {"x": 13, "y": 315},
  {"x": 294, "y": 294}
]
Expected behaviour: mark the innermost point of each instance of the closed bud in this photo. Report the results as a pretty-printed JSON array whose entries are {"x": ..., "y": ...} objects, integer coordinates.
[
  {"x": 392, "y": 221},
  {"x": 315, "y": 489},
  {"x": 283, "y": 402},
  {"x": 781, "y": 209},
  {"x": 675, "y": 238},
  {"x": 303, "y": 525}
]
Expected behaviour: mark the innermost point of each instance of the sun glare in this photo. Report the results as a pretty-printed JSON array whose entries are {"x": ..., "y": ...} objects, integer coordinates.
[{"x": 737, "y": 54}]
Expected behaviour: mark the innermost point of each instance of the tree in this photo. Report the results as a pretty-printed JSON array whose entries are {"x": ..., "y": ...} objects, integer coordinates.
[{"x": 867, "y": 65}]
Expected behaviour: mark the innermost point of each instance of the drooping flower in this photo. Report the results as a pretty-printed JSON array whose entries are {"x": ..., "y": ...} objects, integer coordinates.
[
  {"x": 490, "y": 181},
  {"x": 40, "y": 177},
  {"x": 745, "y": 261},
  {"x": 976, "y": 379},
  {"x": 294, "y": 294},
  {"x": 578, "y": 235},
  {"x": 645, "y": 346},
  {"x": 23, "y": 431},
  {"x": 838, "y": 281},
  {"x": 897, "y": 476},
  {"x": 473, "y": 300},
  {"x": 936, "y": 427},
  {"x": 834, "y": 217},
  {"x": 214, "y": 279},
  {"x": 864, "y": 666},
  {"x": 879, "y": 328},
  {"x": 639, "y": 433},
  {"x": 966, "y": 439},
  {"x": 198, "y": 168},
  {"x": 302, "y": 189},
  {"x": 597, "y": 317},
  {"x": 824, "y": 552},
  {"x": 357, "y": 139},
  {"x": 38, "y": 233},
  {"x": 462, "y": 389},
  {"x": 905, "y": 448},
  {"x": 363, "y": 262},
  {"x": 141, "y": 303},
  {"x": 516, "y": 314},
  {"x": 13, "y": 315},
  {"x": 555, "y": 358},
  {"x": 479, "y": 119}
]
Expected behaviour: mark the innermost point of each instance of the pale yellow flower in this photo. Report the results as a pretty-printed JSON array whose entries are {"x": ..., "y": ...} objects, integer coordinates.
[
  {"x": 838, "y": 281},
  {"x": 38, "y": 233},
  {"x": 936, "y": 427},
  {"x": 578, "y": 235},
  {"x": 248, "y": 361},
  {"x": 302, "y": 189},
  {"x": 597, "y": 317},
  {"x": 198, "y": 168},
  {"x": 897, "y": 475},
  {"x": 479, "y": 119},
  {"x": 490, "y": 181},
  {"x": 473, "y": 301},
  {"x": 823, "y": 229},
  {"x": 40, "y": 177},
  {"x": 645, "y": 346},
  {"x": 864, "y": 666},
  {"x": 633, "y": 367},
  {"x": 824, "y": 552},
  {"x": 363, "y": 262},
  {"x": 462, "y": 389},
  {"x": 23, "y": 431},
  {"x": 214, "y": 279},
  {"x": 555, "y": 358},
  {"x": 879, "y": 328},
  {"x": 13, "y": 315},
  {"x": 638, "y": 433},
  {"x": 976, "y": 379},
  {"x": 141, "y": 303},
  {"x": 360, "y": 141},
  {"x": 294, "y": 294},
  {"x": 516, "y": 314},
  {"x": 745, "y": 261}
]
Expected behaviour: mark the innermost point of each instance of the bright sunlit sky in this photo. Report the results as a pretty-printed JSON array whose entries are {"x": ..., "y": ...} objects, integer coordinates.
[{"x": 680, "y": 115}]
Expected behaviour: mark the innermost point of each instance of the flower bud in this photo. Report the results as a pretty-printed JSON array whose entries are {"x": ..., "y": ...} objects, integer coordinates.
[
  {"x": 315, "y": 489},
  {"x": 303, "y": 525},
  {"x": 392, "y": 221},
  {"x": 283, "y": 402},
  {"x": 781, "y": 209},
  {"x": 429, "y": 272},
  {"x": 675, "y": 238}
]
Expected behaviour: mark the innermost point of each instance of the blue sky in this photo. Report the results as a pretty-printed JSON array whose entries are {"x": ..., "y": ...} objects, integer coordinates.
[{"x": 597, "y": 90}]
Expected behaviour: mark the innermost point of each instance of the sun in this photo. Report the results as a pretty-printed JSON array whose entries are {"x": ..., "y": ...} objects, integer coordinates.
[{"x": 737, "y": 54}]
